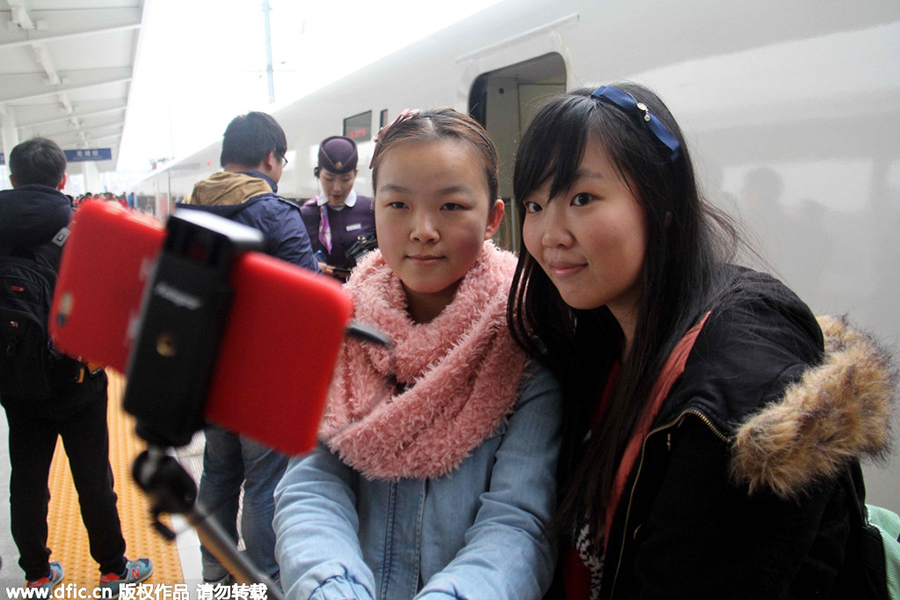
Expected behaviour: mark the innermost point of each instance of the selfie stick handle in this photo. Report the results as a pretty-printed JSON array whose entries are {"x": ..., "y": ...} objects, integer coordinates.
[{"x": 172, "y": 490}]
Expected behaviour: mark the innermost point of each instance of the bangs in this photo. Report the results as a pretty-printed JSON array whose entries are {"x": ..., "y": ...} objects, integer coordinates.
[{"x": 553, "y": 146}]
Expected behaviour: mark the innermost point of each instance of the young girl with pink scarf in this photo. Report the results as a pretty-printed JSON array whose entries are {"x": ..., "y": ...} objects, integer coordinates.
[{"x": 436, "y": 475}]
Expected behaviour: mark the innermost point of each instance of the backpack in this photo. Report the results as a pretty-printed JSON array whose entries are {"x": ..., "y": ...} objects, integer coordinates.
[
  {"x": 883, "y": 526},
  {"x": 31, "y": 368},
  {"x": 876, "y": 548}
]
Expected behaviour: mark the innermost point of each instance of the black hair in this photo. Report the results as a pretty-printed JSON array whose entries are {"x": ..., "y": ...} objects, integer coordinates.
[
  {"x": 688, "y": 245},
  {"x": 250, "y": 138},
  {"x": 37, "y": 161}
]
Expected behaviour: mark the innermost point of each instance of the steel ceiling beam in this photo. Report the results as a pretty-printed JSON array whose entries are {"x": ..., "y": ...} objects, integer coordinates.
[
  {"x": 69, "y": 36},
  {"x": 95, "y": 113},
  {"x": 69, "y": 89},
  {"x": 20, "y": 14}
]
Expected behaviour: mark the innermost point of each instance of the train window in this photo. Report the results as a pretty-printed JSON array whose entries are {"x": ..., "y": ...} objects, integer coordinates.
[
  {"x": 383, "y": 118},
  {"x": 359, "y": 127}
]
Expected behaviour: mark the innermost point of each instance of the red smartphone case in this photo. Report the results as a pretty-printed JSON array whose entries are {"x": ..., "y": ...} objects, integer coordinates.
[{"x": 280, "y": 343}]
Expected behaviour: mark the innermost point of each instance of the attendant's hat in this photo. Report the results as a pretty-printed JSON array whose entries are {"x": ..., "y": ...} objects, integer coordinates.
[{"x": 337, "y": 154}]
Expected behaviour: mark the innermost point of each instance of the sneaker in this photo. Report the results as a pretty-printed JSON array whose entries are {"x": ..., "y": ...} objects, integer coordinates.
[
  {"x": 49, "y": 582},
  {"x": 135, "y": 571}
]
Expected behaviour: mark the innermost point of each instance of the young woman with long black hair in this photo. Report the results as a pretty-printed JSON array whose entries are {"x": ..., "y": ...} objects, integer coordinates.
[{"x": 712, "y": 432}]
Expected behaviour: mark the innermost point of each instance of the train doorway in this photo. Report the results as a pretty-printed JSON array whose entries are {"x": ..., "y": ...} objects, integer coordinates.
[{"x": 504, "y": 101}]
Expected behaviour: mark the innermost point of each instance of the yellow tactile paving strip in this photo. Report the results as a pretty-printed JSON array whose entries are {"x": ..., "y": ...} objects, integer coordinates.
[{"x": 68, "y": 537}]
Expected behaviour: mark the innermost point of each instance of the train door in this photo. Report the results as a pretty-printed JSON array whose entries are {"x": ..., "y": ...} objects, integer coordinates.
[{"x": 504, "y": 101}]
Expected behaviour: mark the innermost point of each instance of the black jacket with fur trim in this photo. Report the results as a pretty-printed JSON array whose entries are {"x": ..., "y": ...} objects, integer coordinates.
[{"x": 743, "y": 486}]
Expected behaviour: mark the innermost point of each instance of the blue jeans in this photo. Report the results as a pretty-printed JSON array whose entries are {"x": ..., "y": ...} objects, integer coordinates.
[{"x": 230, "y": 460}]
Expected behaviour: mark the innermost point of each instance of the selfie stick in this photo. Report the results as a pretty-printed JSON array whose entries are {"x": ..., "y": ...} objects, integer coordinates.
[
  {"x": 184, "y": 310},
  {"x": 172, "y": 490}
]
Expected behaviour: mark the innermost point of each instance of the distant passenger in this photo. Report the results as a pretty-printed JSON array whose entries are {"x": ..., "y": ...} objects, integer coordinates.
[
  {"x": 252, "y": 160},
  {"x": 338, "y": 217},
  {"x": 69, "y": 401},
  {"x": 436, "y": 477}
]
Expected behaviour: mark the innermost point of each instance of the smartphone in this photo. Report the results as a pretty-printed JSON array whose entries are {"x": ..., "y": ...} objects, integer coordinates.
[{"x": 280, "y": 342}]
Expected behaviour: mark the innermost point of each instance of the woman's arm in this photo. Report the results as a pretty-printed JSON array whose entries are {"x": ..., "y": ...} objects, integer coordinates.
[
  {"x": 507, "y": 553},
  {"x": 316, "y": 526}
]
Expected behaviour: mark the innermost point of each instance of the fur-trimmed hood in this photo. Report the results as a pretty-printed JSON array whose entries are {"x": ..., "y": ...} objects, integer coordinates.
[{"x": 837, "y": 412}]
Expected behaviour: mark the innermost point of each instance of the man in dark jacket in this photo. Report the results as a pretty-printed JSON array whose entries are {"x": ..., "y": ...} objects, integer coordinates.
[
  {"x": 252, "y": 160},
  {"x": 31, "y": 215}
]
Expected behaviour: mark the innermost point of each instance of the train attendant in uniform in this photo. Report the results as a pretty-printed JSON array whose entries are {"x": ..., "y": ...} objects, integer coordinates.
[
  {"x": 337, "y": 217},
  {"x": 712, "y": 434},
  {"x": 436, "y": 475}
]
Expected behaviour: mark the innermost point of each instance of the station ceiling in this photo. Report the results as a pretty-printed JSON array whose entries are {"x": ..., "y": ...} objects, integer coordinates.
[{"x": 66, "y": 68}]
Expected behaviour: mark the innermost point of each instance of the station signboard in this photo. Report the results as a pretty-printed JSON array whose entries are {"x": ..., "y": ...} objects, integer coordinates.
[{"x": 87, "y": 155}]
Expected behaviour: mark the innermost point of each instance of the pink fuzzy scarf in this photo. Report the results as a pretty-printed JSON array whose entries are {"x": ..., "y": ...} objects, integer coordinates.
[{"x": 457, "y": 377}]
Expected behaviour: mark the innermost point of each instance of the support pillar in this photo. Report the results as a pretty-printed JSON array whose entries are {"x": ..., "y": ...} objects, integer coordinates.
[
  {"x": 91, "y": 175},
  {"x": 10, "y": 137}
]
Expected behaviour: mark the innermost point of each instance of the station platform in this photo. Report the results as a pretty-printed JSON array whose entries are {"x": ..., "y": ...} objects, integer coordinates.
[{"x": 176, "y": 562}]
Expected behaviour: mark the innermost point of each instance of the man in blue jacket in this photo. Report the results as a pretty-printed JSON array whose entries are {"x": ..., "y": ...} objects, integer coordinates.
[{"x": 252, "y": 159}]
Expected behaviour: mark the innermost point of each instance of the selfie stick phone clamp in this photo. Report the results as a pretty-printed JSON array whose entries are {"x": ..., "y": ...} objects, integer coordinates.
[{"x": 183, "y": 315}]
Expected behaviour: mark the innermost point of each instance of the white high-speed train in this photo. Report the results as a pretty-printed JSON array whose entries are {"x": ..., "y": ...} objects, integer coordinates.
[{"x": 792, "y": 108}]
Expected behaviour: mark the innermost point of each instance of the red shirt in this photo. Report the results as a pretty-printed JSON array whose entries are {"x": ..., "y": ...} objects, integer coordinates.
[
  {"x": 576, "y": 576},
  {"x": 671, "y": 371}
]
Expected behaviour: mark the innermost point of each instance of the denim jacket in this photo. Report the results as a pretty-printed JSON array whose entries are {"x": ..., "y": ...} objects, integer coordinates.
[{"x": 475, "y": 533}]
